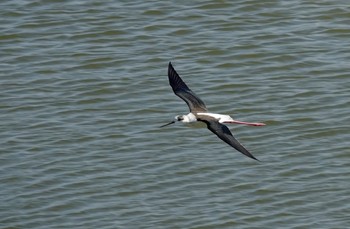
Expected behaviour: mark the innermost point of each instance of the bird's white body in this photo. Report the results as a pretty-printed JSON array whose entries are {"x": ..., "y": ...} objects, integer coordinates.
[
  {"x": 220, "y": 117},
  {"x": 190, "y": 118}
]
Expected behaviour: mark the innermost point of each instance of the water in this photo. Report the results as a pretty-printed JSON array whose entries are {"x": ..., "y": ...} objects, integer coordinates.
[{"x": 84, "y": 89}]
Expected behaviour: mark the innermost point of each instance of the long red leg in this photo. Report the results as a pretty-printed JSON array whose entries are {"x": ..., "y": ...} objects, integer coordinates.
[{"x": 246, "y": 123}]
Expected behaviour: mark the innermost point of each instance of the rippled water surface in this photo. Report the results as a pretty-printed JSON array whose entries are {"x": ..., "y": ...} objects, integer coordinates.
[{"x": 84, "y": 89}]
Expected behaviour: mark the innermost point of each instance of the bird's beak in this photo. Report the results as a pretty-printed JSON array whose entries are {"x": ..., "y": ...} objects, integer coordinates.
[{"x": 172, "y": 122}]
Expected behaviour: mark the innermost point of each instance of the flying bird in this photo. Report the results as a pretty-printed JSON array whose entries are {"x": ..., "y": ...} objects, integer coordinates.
[{"x": 199, "y": 113}]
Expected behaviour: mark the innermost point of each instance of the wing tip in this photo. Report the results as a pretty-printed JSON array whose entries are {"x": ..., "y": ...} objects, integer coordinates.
[
  {"x": 254, "y": 158},
  {"x": 248, "y": 154},
  {"x": 170, "y": 68}
]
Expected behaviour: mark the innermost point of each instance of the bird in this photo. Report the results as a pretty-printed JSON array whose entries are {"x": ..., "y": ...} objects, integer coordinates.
[{"x": 199, "y": 113}]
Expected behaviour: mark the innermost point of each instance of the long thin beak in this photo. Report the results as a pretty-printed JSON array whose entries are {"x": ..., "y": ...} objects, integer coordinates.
[{"x": 172, "y": 122}]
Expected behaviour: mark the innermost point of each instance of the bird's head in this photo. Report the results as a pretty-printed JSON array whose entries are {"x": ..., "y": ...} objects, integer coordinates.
[{"x": 177, "y": 118}]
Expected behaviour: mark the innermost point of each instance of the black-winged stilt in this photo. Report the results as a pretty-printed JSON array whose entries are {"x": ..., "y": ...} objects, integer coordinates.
[{"x": 199, "y": 112}]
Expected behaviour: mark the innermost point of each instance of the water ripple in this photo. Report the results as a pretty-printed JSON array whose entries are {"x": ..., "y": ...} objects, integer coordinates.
[{"x": 84, "y": 91}]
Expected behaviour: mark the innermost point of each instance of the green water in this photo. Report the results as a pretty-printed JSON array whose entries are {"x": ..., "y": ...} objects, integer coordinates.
[{"x": 83, "y": 89}]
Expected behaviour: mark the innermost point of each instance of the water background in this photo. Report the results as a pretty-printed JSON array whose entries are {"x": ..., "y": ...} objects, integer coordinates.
[{"x": 83, "y": 89}]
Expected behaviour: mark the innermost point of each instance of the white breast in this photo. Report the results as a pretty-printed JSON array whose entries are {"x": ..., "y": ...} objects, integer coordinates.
[{"x": 189, "y": 118}]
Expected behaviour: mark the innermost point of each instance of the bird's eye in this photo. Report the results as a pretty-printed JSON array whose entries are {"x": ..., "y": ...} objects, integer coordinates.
[{"x": 180, "y": 118}]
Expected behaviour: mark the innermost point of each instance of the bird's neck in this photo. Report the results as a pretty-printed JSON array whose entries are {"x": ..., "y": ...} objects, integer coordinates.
[{"x": 189, "y": 118}]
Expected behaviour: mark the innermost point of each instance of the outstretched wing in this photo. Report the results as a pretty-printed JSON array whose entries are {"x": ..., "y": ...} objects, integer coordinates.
[
  {"x": 224, "y": 133},
  {"x": 184, "y": 92}
]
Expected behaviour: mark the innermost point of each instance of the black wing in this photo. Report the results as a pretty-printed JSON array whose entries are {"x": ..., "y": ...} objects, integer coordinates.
[
  {"x": 184, "y": 92},
  {"x": 224, "y": 133}
]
